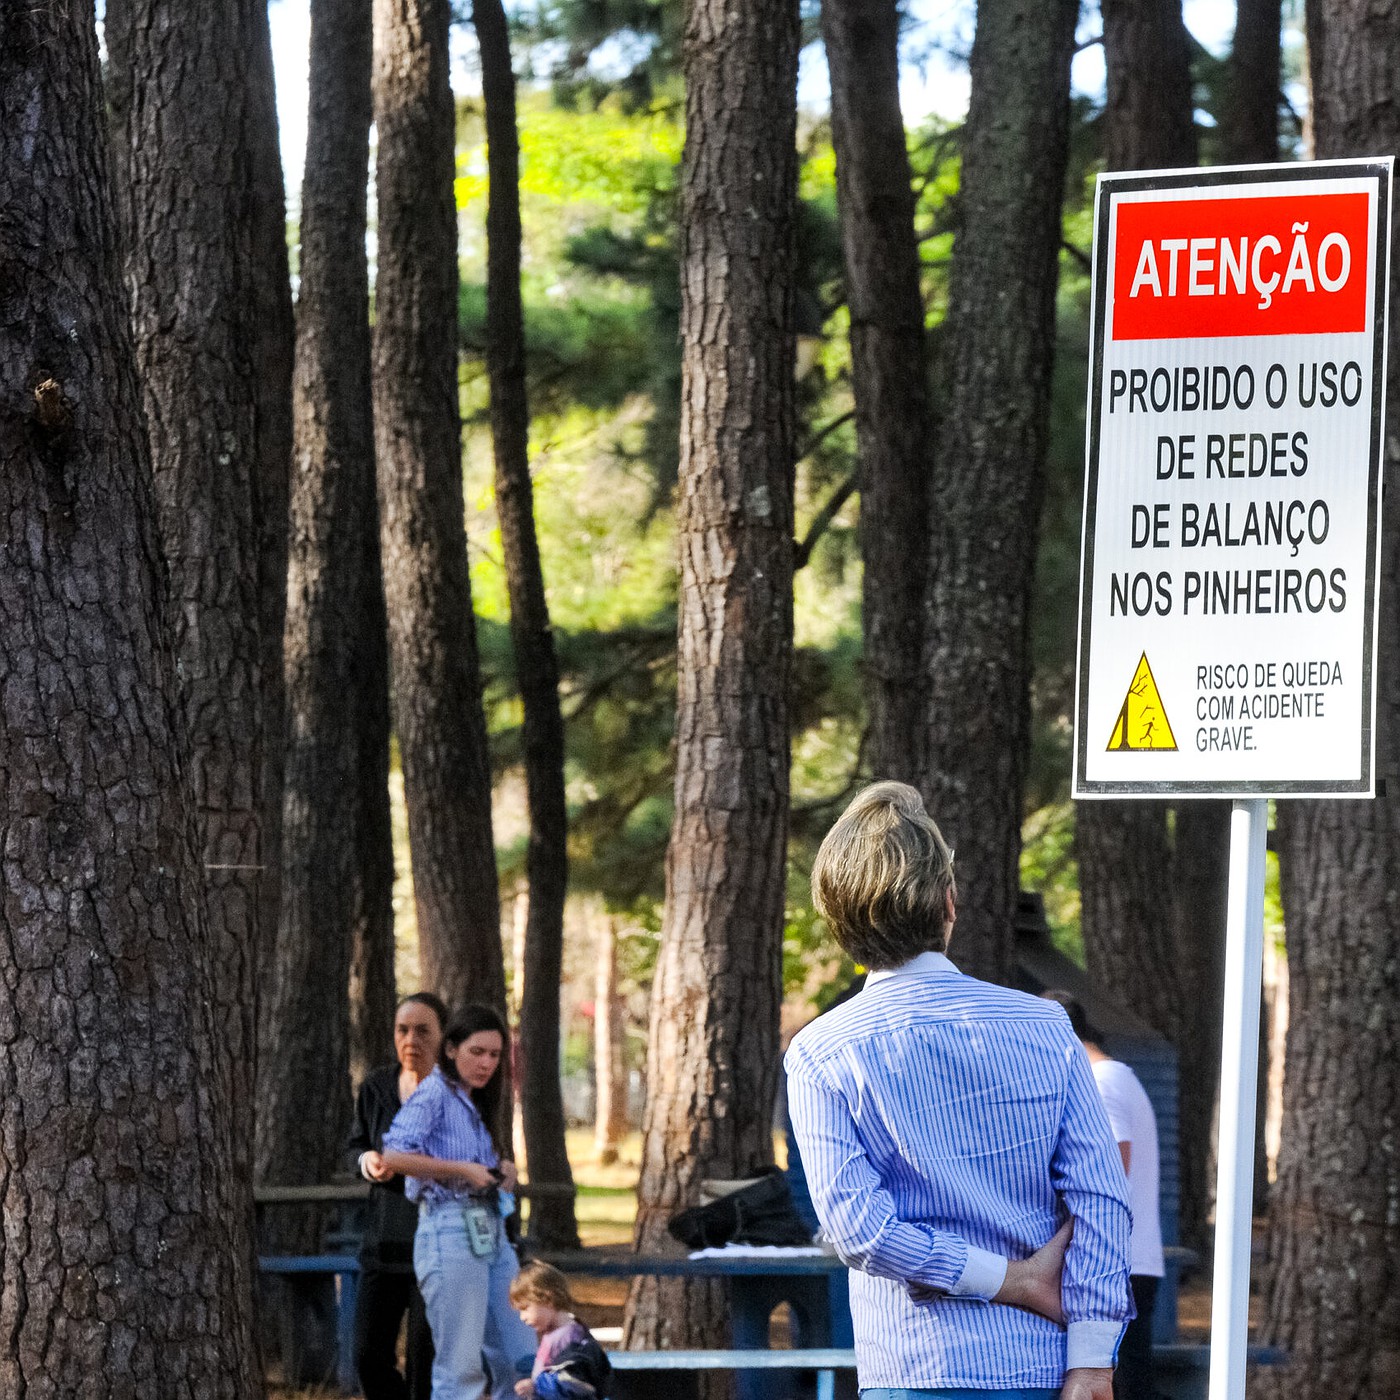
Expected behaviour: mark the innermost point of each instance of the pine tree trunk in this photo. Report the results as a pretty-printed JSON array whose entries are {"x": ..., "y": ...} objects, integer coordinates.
[
  {"x": 181, "y": 114},
  {"x": 436, "y": 676},
  {"x": 998, "y": 350},
  {"x": 305, "y": 1085},
  {"x": 1333, "y": 1287},
  {"x": 1249, "y": 136},
  {"x": 609, "y": 1057},
  {"x": 1127, "y": 842},
  {"x": 374, "y": 993},
  {"x": 1196, "y": 893},
  {"x": 1253, "y": 84},
  {"x": 712, "y": 1060},
  {"x": 552, "y": 1222},
  {"x": 1154, "y": 913},
  {"x": 888, "y": 371},
  {"x": 1149, "y": 115},
  {"x": 125, "y": 1250},
  {"x": 273, "y": 342}
]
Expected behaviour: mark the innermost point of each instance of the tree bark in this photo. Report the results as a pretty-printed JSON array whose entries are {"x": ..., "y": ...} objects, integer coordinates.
[
  {"x": 1149, "y": 114},
  {"x": 374, "y": 991},
  {"x": 712, "y": 1060},
  {"x": 609, "y": 1048},
  {"x": 553, "y": 1222},
  {"x": 889, "y": 375},
  {"x": 305, "y": 1087},
  {"x": 1127, "y": 842},
  {"x": 436, "y": 676},
  {"x": 1196, "y": 894},
  {"x": 1153, "y": 918},
  {"x": 1333, "y": 1287},
  {"x": 1248, "y": 136},
  {"x": 181, "y": 116},
  {"x": 1153, "y": 901},
  {"x": 273, "y": 342},
  {"x": 998, "y": 348},
  {"x": 123, "y": 1261},
  {"x": 1253, "y": 83}
]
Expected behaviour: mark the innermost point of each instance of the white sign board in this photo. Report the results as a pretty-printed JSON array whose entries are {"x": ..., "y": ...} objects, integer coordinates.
[{"x": 1230, "y": 561}]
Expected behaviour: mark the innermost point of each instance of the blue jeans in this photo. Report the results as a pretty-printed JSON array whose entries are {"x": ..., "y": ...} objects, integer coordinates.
[
  {"x": 901, "y": 1393},
  {"x": 467, "y": 1301}
]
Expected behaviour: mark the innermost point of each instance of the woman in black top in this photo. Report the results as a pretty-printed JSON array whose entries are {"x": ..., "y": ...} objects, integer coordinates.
[{"x": 388, "y": 1289}]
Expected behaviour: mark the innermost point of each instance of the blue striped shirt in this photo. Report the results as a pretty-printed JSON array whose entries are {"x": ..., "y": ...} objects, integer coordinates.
[
  {"x": 946, "y": 1125},
  {"x": 440, "y": 1120}
]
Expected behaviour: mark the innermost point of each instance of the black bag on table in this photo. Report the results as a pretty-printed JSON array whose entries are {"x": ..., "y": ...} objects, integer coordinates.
[{"x": 760, "y": 1213}]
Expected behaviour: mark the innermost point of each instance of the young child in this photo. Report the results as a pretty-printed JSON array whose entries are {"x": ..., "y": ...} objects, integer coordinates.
[{"x": 569, "y": 1364}]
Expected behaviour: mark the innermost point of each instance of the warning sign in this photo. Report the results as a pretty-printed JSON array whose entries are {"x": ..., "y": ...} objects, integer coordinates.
[
  {"x": 1232, "y": 493},
  {"x": 1142, "y": 722}
]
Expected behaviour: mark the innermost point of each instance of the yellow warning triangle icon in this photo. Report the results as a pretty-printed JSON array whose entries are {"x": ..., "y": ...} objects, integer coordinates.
[{"x": 1142, "y": 722}]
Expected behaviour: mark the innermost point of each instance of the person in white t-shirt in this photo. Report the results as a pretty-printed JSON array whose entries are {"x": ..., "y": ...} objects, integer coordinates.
[{"x": 1135, "y": 1127}]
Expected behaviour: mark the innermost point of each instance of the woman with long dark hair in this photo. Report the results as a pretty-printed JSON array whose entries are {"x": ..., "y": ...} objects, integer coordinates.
[{"x": 444, "y": 1142}]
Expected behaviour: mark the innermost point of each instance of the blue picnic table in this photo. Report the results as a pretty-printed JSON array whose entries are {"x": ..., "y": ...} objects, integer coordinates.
[{"x": 814, "y": 1286}]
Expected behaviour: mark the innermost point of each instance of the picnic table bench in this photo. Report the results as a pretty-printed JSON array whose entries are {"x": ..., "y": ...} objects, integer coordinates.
[
  {"x": 812, "y": 1285},
  {"x": 825, "y": 1361}
]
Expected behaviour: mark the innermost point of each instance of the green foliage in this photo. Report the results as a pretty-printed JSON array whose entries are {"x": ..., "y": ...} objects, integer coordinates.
[{"x": 1049, "y": 867}]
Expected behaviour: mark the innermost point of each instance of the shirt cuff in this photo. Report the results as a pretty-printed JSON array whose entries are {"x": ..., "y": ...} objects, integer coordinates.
[
  {"x": 982, "y": 1275},
  {"x": 1092, "y": 1344}
]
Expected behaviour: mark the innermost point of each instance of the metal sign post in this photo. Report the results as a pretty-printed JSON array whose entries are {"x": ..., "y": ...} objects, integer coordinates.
[{"x": 1239, "y": 1073}]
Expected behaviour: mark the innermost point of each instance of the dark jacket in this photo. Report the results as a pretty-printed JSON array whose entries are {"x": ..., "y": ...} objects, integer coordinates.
[
  {"x": 390, "y": 1218},
  {"x": 570, "y": 1365}
]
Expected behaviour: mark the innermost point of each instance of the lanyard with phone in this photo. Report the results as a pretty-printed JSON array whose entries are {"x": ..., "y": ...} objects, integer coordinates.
[{"x": 481, "y": 1228}]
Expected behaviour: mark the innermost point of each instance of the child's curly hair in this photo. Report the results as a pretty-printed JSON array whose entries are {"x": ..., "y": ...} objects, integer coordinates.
[{"x": 538, "y": 1282}]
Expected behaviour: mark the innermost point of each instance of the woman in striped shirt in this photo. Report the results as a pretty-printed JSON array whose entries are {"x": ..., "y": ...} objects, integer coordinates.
[{"x": 442, "y": 1140}]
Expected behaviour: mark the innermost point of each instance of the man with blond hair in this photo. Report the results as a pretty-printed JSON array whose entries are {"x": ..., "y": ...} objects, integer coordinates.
[{"x": 957, "y": 1152}]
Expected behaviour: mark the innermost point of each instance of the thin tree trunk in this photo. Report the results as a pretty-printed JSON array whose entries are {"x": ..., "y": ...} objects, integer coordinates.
[
  {"x": 374, "y": 992},
  {"x": 181, "y": 116},
  {"x": 1153, "y": 918},
  {"x": 1333, "y": 1287},
  {"x": 1153, "y": 922},
  {"x": 998, "y": 348},
  {"x": 123, "y": 1261},
  {"x": 1253, "y": 84},
  {"x": 1196, "y": 892},
  {"x": 1149, "y": 114},
  {"x": 553, "y": 1224},
  {"x": 1127, "y": 842},
  {"x": 888, "y": 370},
  {"x": 712, "y": 1062},
  {"x": 1154, "y": 914},
  {"x": 1249, "y": 136},
  {"x": 436, "y": 676},
  {"x": 305, "y": 1084},
  {"x": 609, "y": 1048},
  {"x": 273, "y": 342}
]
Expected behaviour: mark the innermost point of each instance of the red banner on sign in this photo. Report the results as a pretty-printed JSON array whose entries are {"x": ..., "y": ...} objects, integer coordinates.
[{"x": 1280, "y": 265}]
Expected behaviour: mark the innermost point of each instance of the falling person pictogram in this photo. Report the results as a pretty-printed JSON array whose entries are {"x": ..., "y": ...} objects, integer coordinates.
[{"x": 1142, "y": 721}]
